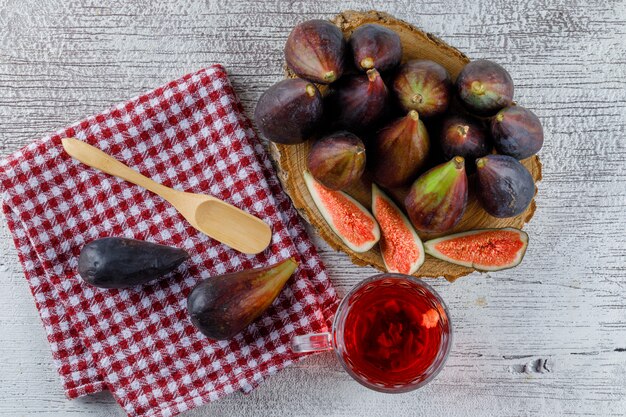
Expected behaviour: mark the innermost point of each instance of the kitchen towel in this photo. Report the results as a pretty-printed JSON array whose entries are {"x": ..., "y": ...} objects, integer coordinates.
[{"x": 190, "y": 134}]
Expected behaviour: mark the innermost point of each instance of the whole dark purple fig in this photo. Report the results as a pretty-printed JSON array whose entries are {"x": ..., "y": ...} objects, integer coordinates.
[
  {"x": 337, "y": 160},
  {"x": 116, "y": 262},
  {"x": 438, "y": 198},
  {"x": 375, "y": 46},
  {"x": 315, "y": 51},
  {"x": 517, "y": 132},
  {"x": 505, "y": 187},
  {"x": 289, "y": 111},
  {"x": 484, "y": 87},
  {"x": 356, "y": 103},
  {"x": 400, "y": 150},
  {"x": 464, "y": 136},
  {"x": 424, "y": 86}
]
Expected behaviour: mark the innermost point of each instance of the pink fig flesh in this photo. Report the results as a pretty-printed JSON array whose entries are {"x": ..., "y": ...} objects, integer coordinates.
[
  {"x": 400, "y": 151},
  {"x": 400, "y": 246}
]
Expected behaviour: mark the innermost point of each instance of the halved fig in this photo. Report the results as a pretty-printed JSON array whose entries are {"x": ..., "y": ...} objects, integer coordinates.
[
  {"x": 400, "y": 246},
  {"x": 315, "y": 51},
  {"x": 483, "y": 249},
  {"x": 354, "y": 225}
]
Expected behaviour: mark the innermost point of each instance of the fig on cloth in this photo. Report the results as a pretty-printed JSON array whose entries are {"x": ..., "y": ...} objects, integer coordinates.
[
  {"x": 222, "y": 306},
  {"x": 116, "y": 262}
]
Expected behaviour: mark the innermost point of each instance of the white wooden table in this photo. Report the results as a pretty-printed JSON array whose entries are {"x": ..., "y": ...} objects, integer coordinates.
[{"x": 547, "y": 338}]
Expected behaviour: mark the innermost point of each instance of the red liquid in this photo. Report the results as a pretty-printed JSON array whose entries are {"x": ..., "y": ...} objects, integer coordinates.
[{"x": 393, "y": 332}]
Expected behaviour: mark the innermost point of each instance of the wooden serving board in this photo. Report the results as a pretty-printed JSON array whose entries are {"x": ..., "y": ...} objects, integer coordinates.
[{"x": 291, "y": 159}]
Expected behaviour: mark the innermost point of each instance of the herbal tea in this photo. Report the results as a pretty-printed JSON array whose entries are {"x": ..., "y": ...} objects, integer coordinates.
[{"x": 393, "y": 332}]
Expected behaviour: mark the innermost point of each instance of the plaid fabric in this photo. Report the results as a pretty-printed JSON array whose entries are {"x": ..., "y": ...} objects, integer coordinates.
[{"x": 139, "y": 343}]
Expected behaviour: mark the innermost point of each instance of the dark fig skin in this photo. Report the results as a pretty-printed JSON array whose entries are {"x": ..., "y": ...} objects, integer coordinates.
[
  {"x": 438, "y": 198},
  {"x": 400, "y": 151},
  {"x": 424, "y": 86},
  {"x": 115, "y": 262},
  {"x": 289, "y": 112},
  {"x": 375, "y": 46},
  {"x": 356, "y": 103},
  {"x": 484, "y": 87},
  {"x": 464, "y": 136},
  {"x": 222, "y": 306},
  {"x": 517, "y": 132},
  {"x": 505, "y": 187},
  {"x": 315, "y": 51},
  {"x": 338, "y": 160}
]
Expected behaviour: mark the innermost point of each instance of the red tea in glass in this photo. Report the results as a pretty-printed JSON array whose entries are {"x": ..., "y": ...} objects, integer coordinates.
[{"x": 391, "y": 333}]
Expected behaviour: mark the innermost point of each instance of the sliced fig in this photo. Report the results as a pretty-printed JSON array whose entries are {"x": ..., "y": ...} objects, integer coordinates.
[
  {"x": 424, "y": 86},
  {"x": 289, "y": 112},
  {"x": 222, "y": 306},
  {"x": 315, "y": 51},
  {"x": 400, "y": 151},
  {"x": 437, "y": 199},
  {"x": 337, "y": 160},
  {"x": 505, "y": 187},
  {"x": 375, "y": 46},
  {"x": 358, "y": 102},
  {"x": 464, "y": 136},
  {"x": 483, "y": 249},
  {"x": 116, "y": 262},
  {"x": 400, "y": 246},
  {"x": 484, "y": 87},
  {"x": 354, "y": 225},
  {"x": 517, "y": 132}
]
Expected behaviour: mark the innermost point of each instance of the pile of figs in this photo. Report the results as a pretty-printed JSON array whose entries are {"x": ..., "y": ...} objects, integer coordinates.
[{"x": 404, "y": 125}]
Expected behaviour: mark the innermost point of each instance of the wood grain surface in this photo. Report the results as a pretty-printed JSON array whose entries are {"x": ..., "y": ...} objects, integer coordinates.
[
  {"x": 290, "y": 160},
  {"x": 547, "y": 338}
]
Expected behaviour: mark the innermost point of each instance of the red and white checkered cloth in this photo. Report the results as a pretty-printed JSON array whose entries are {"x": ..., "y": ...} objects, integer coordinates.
[{"x": 139, "y": 343}]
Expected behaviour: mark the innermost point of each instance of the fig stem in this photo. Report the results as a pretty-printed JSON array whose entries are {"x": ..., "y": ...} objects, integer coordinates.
[
  {"x": 367, "y": 63},
  {"x": 310, "y": 90},
  {"x": 459, "y": 162},
  {"x": 330, "y": 76},
  {"x": 462, "y": 130},
  {"x": 480, "y": 162},
  {"x": 413, "y": 114},
  {"x": 478, "y": 88},
  {"x": 372, "y": 74},
  {"x": 499, "y": 117},
  {"x": 417, "y": 99}
]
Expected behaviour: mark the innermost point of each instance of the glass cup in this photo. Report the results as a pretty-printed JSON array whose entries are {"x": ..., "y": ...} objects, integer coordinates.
[{"x": 391, "y": 333}]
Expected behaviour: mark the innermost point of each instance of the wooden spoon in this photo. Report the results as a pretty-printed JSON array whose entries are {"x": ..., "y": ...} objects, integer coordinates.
[{"x": 212, "y": 216}]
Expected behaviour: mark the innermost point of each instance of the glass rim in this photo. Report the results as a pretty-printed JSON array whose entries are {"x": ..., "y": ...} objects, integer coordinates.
[{"x": 411, "y": 386}]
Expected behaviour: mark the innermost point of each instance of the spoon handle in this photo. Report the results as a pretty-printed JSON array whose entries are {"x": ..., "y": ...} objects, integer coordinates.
[{"x": 95, "y": 158}]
